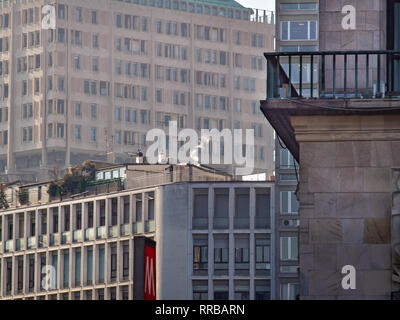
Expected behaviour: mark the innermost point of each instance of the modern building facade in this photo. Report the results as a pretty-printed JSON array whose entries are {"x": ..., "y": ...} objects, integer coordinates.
[
  {"x": 346, "y": 139},
  {"x": 112, "y": 70},
  {"x": 286, "y": 223},
  {"x": 214, "y": 236}
]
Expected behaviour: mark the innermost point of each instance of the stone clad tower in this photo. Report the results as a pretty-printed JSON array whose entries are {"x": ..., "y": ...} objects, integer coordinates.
[{"x": 346, "y": 137}]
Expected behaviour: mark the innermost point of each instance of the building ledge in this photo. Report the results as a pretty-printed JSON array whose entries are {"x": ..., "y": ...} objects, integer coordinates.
[{"x": 280, "y": 111}]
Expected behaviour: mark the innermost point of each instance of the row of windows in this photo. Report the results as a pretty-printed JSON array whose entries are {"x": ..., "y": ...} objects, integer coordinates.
[
  {"x": 71, "y": 218},
  {"x": 262, "y": 257},
  {"x": 131, "y": 46},
  {"x": 25, "y": 64},
  {"x": 172, "y": 74},
  {"x": 30, "y": 39},
  {"x": 62, "y": 13},
  {"x": 133, "y": 69},
  {"x": 88, "y": 268},
  {"x": 241, "y": 290},
  {"x": 131, "y": 22},
  {"x": 231, "y": 13}
]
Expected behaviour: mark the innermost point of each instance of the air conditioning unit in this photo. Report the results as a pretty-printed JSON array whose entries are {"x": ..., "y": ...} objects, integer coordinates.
[{"x": 290, "y": 223}]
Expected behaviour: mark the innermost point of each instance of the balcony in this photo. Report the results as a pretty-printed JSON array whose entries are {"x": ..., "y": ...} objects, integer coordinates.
[
  {"x": 150, "y": 226},
  {"x": 138, "y": 227},
  {"x": 77, "y": 236},
  {"x": 113, "y": 231},
  {"x": 125, "y": 229},
  {"x": 9, "y": 246},
  {"x": 241, "y": 223},
  {"x": 262, "y": 222},
  {"x": 31, "y": 242},
  {"x": 101, "y": 232},
  {"x": 221, "y": 223},
  {"x": 20, "y": 244},
  {"x": 43, "y": 241},
  {"x": 55, "y": 239},
  {"x": 333, "y": 75},
  {"x": 66, "y": 237},
  {"x": 200, "y": 223},
  {"x": 89, "y": 234}
]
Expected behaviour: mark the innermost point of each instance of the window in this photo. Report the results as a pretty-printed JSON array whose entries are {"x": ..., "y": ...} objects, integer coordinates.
[
  {"x": 60, "y": 130},
  {"x": 289, "y": 248},
  {"x": 263, "y": 254},
  {"x": 200, "y": 257},
  {"x": 78, "y": 132},
  {"x": 78, "y": 14},
  {"x": 93, "y": 111},
  {"x": 77, "y": 63},
  {"x": 290, "y": 291},
  {"x": 289, "y": 203},
  {"x": 95, "y": 40},
  {"x": 298, "y": 30},
  {"x": 93, "y": 134},
  {"x": 94, "y": 17},
  {"x": 78, "y": 109}
]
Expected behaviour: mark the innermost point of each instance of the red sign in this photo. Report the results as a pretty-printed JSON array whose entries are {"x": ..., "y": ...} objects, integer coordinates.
[{"x": 149, "y": 273}]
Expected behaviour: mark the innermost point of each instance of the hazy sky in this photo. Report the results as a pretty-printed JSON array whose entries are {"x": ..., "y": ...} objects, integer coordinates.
[{"x": 258, "y": 4}]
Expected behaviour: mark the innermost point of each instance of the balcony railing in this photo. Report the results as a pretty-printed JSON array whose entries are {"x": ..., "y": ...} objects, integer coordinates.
[
  {"x": 125, "y": 229},
  {"x": 9, "y": 245},
  {"x": 77, "y": 236},
  {"x": 113, "y": 231},
  {"x": 150, "y": 226},
  {"x": 333, "y": 74},
  {"x": 89, "y": 234},
  {"x": 20, "y": 244},
  {"x": 31, "y": 242},
  {"x": 66, "y": 237},
  {"x": 138, "y": 227},
  {"x": 101, "y": 232}
]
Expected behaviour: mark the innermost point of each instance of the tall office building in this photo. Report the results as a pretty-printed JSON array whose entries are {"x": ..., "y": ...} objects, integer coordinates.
[
  {"x": 214, "y": 236},
  {"x": 296, "y": 31},
  {"x": 111, "y": 70}
]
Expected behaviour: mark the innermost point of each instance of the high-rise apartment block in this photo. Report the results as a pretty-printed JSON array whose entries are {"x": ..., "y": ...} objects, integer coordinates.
[{"x": 111, "y": 70}]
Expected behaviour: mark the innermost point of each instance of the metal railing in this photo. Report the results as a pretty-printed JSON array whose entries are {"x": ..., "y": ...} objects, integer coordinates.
[{"x": 333, "y": 74}]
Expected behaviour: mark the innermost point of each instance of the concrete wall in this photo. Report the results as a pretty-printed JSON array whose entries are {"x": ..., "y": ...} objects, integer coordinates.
[
  {"x": 171, "y": 212},
  {"x": 345, "y": 197}
]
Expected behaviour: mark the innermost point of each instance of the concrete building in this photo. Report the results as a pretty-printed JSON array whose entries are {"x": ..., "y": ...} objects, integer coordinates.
[
  {"x": 112, "y": 70},
  {"x": 346, "y": 139},
  {"x": 214, "y": 236}
]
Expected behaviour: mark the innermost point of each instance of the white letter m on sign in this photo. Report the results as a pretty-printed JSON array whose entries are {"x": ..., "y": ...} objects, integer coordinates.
[{"x": 149, "y": 284}]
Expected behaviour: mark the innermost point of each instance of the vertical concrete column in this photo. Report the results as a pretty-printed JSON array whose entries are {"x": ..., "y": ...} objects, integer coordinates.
[
  {"x": 119, "y": 217},
  {"x": 252, "y": 256},
  {"x": 273, "y": 246},
  {"x": 231, "y": 240},
  {"x": 210, "y": 241}
]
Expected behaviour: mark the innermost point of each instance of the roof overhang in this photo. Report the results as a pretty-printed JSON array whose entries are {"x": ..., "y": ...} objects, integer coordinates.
[{"x": 280, "y": 111}]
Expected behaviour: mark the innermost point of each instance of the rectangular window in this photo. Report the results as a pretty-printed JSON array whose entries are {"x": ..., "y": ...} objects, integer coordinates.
[
  {"x": 298, "y": 30},
  {"x": 289, "y": 248},
  {"x": 289, "y": 203}
]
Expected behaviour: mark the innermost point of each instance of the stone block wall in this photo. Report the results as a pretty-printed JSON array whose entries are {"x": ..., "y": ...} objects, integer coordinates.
[{"x": 345, "y": 193}]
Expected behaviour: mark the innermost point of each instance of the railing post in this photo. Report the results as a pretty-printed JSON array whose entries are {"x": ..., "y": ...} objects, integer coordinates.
[
  {"x": 323, "y": 75},
  {"x": 345, "y": 76},
  {"x": 367, "y": 75},
  {"x": 356, "y": 73},
  {"x": 290, "y": 77},
  {"x": 334, "y": 76},
  {"x": 301, "y": 76},
  {"x": 378, "y": 84},
  {"x": 312, "y": 76}
]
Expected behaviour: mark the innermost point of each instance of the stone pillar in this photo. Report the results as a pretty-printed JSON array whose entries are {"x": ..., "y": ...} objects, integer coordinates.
[
  {"x": 396, "y": 236},
  {"x": 345, "y": 194}
]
